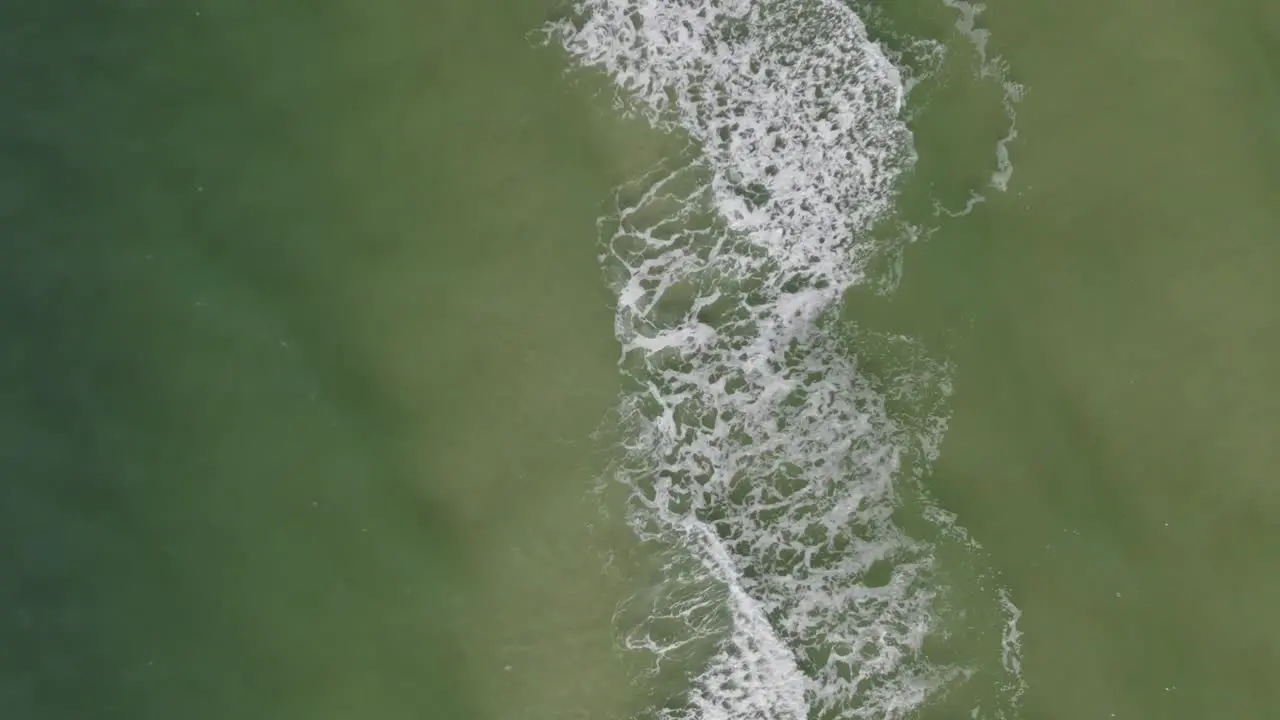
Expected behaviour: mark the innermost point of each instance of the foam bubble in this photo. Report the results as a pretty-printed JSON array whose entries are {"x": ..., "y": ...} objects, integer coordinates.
[{"x": 755, "y": 451}]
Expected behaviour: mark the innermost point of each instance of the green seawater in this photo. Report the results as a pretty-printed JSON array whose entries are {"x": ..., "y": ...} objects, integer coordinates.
[
  {"x": 303, "y": 344},
  {"x": 303, "y": 341},
  {"x": 1115, "y": 328}
]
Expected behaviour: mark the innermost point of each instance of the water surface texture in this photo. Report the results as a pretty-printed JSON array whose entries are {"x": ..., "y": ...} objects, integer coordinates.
[{"x": 639, "y": 360}]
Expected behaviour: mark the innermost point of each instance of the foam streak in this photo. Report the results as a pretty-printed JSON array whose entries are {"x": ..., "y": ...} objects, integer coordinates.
[{"x": 754, "y": 447}]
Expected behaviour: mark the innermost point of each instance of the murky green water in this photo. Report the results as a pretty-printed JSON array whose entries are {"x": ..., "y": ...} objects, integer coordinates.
[
  {"x": 1114, "y": 327},
  {"x": 303, "y": 337}
]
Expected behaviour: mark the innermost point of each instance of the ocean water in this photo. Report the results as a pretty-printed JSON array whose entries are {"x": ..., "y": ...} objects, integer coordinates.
[
  {"x": 762, "y": 462},
  {"x": 639, "y": 359}
]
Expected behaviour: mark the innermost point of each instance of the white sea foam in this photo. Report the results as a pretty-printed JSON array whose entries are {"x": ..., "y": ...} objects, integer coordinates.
[
  {"x": 996, "y": 69},
  {"x": 755, "y": 450}
]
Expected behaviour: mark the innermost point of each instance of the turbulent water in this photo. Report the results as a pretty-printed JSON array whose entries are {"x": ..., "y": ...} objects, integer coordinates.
[{"x": 757, "y": 455}]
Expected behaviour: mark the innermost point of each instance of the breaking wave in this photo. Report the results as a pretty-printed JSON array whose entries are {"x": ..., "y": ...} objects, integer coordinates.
[{"x": 756, "y": 453}]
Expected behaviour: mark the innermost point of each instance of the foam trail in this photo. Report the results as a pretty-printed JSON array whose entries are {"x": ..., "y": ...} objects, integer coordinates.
[
  {"x": 755, "y": 450},
  {"x": 996, "y": 68}
]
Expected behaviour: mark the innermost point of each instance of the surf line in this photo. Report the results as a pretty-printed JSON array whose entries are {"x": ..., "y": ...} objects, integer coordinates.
[{"x": 753, "y": 448}]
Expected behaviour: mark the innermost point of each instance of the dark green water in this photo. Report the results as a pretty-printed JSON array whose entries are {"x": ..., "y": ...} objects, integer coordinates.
[{"x": 302, "y": 336}]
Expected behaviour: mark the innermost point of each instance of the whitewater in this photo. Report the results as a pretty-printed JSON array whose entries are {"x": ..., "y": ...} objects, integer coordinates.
[{"x": 756, "y": 455}]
